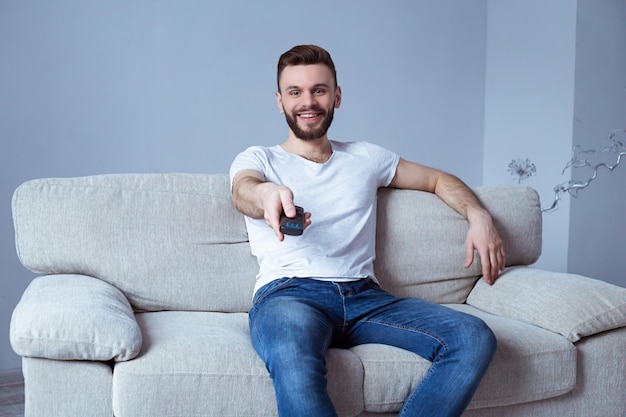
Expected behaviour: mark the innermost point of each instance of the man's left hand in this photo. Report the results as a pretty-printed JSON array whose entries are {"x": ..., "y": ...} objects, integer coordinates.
[{"x": 483, "y": 237}]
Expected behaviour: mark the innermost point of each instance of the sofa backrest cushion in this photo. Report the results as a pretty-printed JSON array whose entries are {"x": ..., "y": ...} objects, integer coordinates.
[
  {"x": 176, "y": 242},
  {"x": 420, "y": 243},
  {"x": 168, "y": 241}
]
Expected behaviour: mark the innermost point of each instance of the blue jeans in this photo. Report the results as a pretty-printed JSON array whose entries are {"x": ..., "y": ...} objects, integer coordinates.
[{"x": 293, "y": 322}]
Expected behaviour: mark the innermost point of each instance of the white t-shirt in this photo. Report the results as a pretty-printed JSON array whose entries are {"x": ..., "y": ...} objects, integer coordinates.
[{"x": 341, "y": 195}]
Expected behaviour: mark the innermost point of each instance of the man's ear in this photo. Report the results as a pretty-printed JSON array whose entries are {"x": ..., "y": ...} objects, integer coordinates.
[
  {"x": 337, "y": 97},
  {"x": 279, "y": 102}
]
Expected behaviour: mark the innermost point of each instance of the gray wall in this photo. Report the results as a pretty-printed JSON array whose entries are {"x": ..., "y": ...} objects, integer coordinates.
[
  {"x": 92, "y": 87},
  {"x": 555, "y": 79},
  {"x": 531, "y": 48},
  {"x": 597, "y": 240}
]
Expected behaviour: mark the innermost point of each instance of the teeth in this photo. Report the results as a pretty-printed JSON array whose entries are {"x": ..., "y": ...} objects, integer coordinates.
[{"x": 307, "y": 115}]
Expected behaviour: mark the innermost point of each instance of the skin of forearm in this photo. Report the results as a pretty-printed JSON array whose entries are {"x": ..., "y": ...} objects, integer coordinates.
[
  {"x": 248, "y": 195},
  {"x": 459, "y": 196}
]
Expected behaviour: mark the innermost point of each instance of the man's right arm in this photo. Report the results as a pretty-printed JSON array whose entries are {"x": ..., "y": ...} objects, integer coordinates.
[{"x": 260, "y": 199}]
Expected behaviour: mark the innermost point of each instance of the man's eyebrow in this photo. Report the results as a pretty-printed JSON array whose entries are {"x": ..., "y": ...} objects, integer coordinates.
[{"x": 297, "y": 87}]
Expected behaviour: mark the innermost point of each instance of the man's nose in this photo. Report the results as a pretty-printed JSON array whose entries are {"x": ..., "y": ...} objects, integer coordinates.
[{"x": 309, "y": 99}]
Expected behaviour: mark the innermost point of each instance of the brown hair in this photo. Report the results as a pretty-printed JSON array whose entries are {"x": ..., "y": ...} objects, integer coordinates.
[{"x": 305, "y": 55}]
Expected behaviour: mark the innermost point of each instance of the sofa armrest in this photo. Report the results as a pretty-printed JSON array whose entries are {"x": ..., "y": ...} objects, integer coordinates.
[
  {"x": 74, "y": 317},
  {"x": 571, "y": 305}
]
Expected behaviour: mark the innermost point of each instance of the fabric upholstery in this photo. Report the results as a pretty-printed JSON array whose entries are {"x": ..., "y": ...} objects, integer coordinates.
[
  {"x": 600, "y": 384},
  {"x": 73, "y": 317},
  {"x": 569, "y": 304},
  {"x": 530, "y": 364},
  {"x": 420, "y": 242},
  {"x": 168, "y": 241},
  {"x": 161, "y": 237},
  {"x": 67, "y": 388},
  {"x": 219, "y": 362}
]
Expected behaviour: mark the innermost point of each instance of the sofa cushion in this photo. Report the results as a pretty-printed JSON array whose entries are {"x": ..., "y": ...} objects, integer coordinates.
[
  {"x": 176, "y": 242},
  {"x": 530, "y": 364},
  {"x": 203, "y": 356},
  {"x": 74, "y": 317},
  {"x": 168, "y": 241},
  {"x": 219, "y": 361},
  {"x": 569, "y": 304},
  {"x": 420, "y": 245}
]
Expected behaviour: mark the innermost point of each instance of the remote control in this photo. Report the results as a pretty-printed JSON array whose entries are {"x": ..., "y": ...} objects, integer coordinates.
[{"x": 293, "y": 226}]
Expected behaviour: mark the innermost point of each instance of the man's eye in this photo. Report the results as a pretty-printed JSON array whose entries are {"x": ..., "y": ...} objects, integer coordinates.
[
  {"x": 294, "y": 93},
  {"x": 318, "y": 91}
]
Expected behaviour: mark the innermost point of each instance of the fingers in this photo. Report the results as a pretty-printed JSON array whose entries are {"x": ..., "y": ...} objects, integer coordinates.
[
  {"x": 469, "y": 254},
  {"x": 491, "y": 252},
  {"x": 287, "y": 204},
  {"x": 307, "y": 219},
  {"x": 274, "y": 222},
  {"x": 493, "y": 262},
  {"x": 275, "y": 203},
  {"x": 488, "y": 273}
]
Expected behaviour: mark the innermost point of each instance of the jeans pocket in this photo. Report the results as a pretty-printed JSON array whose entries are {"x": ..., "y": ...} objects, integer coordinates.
[{"x": 269, "y": 288}]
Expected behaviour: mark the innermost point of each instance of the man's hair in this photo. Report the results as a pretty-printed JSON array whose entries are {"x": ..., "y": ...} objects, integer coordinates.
[{"x": 305, "y": 55}]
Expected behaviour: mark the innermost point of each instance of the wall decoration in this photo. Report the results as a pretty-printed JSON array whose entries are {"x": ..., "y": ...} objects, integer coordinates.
[
  {"x": 591, "y": 159},
  {"x": 522, "y": 168}
]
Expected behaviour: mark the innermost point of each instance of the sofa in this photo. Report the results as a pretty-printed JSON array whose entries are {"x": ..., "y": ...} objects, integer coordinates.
[{"x": 140, "y": 306}]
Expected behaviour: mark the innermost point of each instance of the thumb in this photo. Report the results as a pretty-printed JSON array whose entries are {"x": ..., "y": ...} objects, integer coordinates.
[{"x": 286, "y": 200}]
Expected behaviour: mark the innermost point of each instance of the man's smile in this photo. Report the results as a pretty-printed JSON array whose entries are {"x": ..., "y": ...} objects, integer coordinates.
[{"x": 310, "y": 115}]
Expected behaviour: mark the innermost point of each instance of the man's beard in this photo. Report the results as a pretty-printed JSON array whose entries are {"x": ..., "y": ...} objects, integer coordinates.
[{"x": 310, "y": 134}]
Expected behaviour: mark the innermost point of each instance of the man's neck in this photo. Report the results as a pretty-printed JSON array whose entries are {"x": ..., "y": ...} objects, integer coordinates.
[{"x": 316, "y": 150}]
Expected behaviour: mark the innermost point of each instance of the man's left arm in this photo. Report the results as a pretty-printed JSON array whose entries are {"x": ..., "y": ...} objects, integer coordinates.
[{"x": 482, "y": 235}]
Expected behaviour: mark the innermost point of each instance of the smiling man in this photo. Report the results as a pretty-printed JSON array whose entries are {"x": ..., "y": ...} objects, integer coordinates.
[
  {"x": 315, "y": 118},
  {"x": 318, "y": 290}
]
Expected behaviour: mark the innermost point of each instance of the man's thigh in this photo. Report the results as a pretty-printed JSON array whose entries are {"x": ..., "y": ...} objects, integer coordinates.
[
  {"x": 285, "y": 326},
  {"x": 416, "y": 325}
]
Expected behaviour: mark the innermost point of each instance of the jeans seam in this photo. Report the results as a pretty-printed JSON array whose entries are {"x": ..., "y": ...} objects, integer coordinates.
[
  {"x": 411, "y": 329},
  {"x": 344, "y": 323},
  {"x": 410, "y": 398}
]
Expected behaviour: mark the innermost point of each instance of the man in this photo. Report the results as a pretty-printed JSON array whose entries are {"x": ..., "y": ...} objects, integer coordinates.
[{"x": 318, "y": 290}]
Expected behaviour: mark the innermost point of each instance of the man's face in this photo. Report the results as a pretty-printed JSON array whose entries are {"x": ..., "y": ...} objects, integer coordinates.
[{"x": 308, "y": 97}]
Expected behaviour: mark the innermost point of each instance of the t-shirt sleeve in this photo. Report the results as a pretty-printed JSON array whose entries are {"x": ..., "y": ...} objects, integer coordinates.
[
  {"x": 384, "y": 162},
  {"x": 252, "y": 158}
]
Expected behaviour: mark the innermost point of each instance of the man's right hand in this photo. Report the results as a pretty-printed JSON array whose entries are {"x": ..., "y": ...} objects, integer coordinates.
[
  {"x": 276, "y": 200},
  {"x": 259, "y": 199}
]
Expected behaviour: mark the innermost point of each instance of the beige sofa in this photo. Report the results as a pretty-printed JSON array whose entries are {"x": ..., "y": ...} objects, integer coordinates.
[{"x": 140, "y": 309}]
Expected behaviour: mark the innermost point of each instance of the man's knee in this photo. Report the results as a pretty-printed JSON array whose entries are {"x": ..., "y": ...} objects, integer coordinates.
[{"x": 476, "y": 338}]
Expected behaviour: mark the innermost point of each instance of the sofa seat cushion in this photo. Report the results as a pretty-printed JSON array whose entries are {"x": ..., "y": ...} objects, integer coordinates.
[
  {"x": 191, "y": 359},
  {"x": 188, "y": 357},
  {"x": 530, "y": 364}
]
